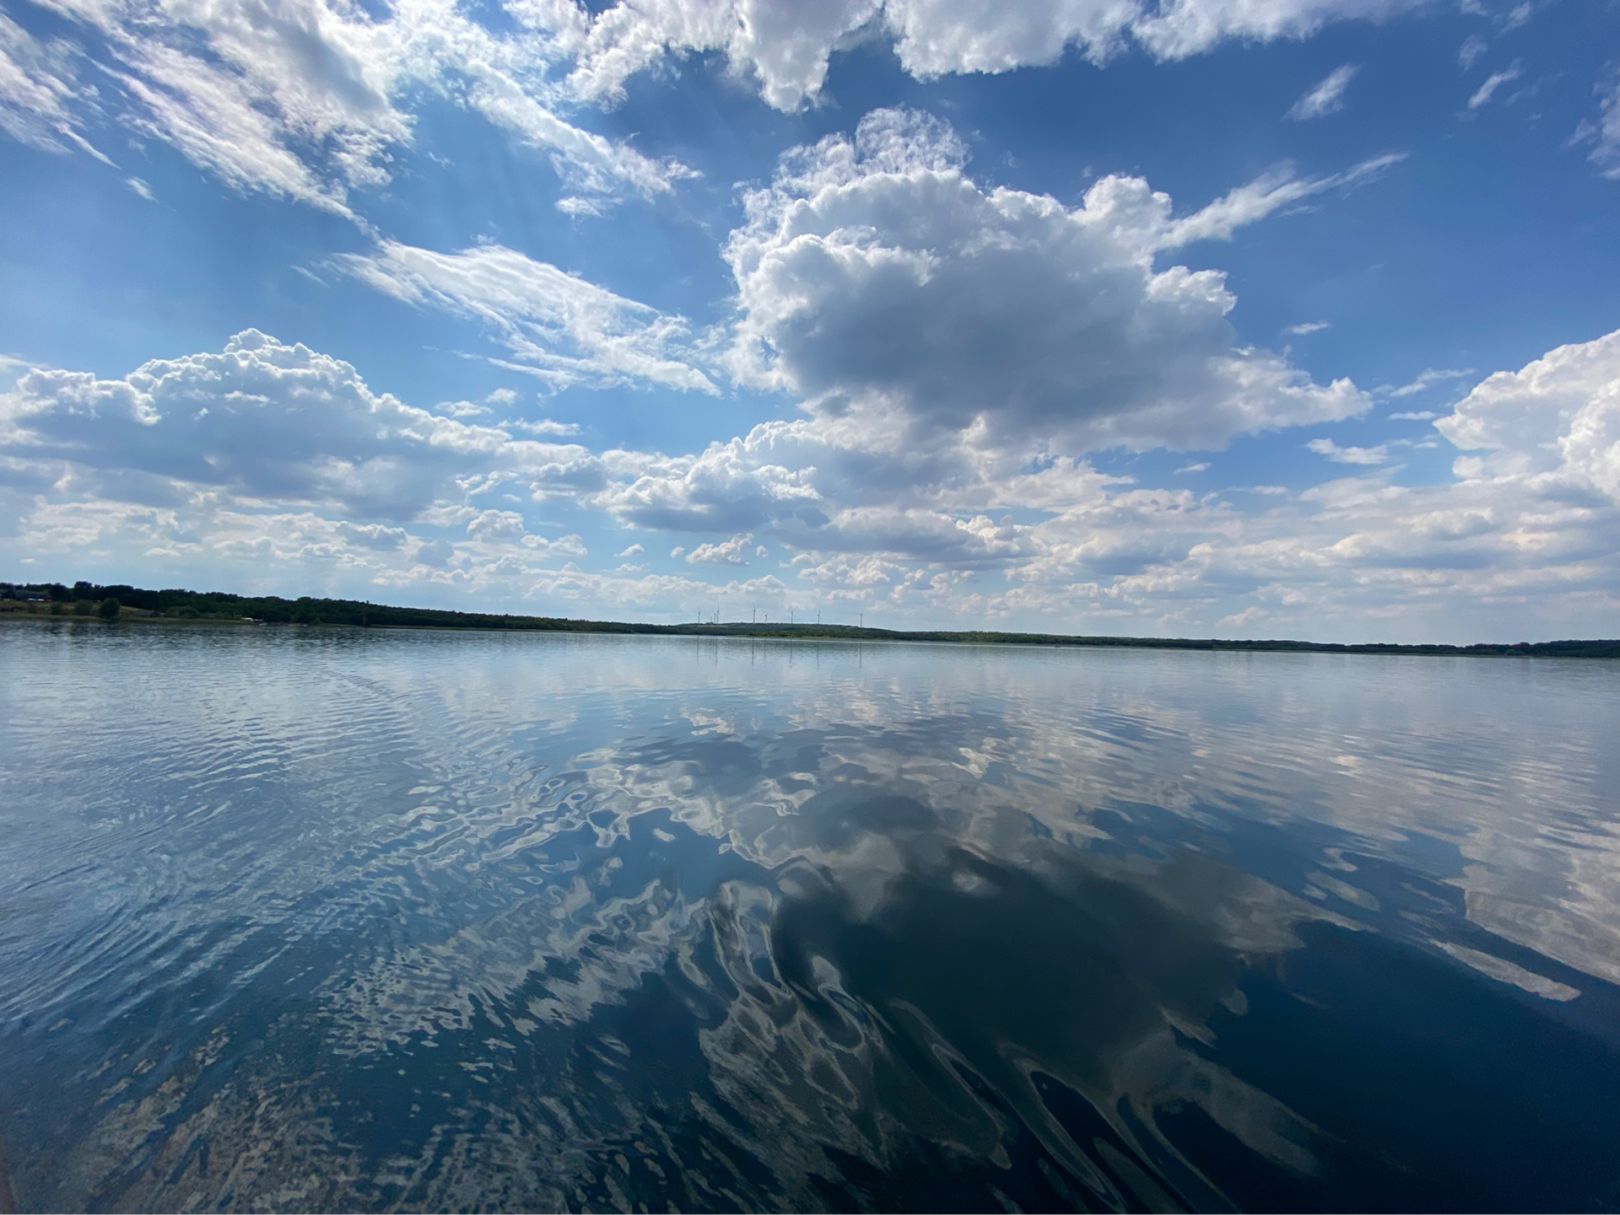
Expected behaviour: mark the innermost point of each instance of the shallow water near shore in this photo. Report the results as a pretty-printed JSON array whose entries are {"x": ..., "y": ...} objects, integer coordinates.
[{"x": 306, "y": 919}]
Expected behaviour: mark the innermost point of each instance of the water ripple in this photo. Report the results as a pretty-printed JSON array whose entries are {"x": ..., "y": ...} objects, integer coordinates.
[{"x": 306, "y": 919}]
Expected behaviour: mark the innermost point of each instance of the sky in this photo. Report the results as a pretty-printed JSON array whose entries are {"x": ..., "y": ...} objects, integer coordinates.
[{"x": 1240, "y": 318}]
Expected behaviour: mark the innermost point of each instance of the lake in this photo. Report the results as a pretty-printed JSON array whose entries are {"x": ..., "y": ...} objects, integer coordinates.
[{"x": 314, "y": 919}]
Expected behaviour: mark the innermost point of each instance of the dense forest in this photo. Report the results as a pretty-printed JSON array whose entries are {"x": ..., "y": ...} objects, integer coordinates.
[{"x": 119, "y": 601}]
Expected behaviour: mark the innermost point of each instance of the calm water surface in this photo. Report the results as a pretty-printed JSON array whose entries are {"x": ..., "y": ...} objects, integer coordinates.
[{"x": 305, "y": 919}]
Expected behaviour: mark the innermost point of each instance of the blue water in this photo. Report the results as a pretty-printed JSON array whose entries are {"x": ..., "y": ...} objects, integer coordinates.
[{"x": 363, "y": 920}]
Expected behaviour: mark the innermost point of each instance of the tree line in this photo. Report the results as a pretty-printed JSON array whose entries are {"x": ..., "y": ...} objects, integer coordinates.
[{"x": 179, "y": 603}]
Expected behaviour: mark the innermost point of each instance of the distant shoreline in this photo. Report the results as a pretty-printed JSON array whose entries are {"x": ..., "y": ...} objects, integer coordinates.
[{"x": 214, "y": 607}]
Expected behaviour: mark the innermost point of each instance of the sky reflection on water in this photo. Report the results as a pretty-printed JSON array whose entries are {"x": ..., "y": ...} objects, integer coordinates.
[{"x": 359, "y": 920}]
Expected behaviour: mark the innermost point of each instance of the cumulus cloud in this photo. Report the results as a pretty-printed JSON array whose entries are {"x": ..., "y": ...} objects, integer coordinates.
[
  {"x": 1558, "y": 413},
  {"x": 785, "y": 51},
  {"x": 1325, "y": 97},
  {"x": 874, "y": 274},
  {"x": 270, "y": 464},
  {"x": 497, "y": 527},
  {"x": 558, "y": 326},
  {"x": 730, "y": 485},
  {"x": 270, "y": 460},
  {"x": 725, "y": 552},
  {"x": 261, "y": 419},
  {"x": 1591, "y": 445}
]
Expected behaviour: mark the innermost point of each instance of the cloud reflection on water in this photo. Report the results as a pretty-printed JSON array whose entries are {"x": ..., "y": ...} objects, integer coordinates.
[{"x": 444, "y": 921}]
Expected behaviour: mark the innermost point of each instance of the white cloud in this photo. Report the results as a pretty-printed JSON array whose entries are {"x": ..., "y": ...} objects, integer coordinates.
[
  {"x": 204, "y": 112},
  {"x": 731, "y": 485},
  {"x": 577, "y": 207},
  {"x": 260, "y": 420},
  {"x": 1559, "y": 413},
  {"x": 1414, "y": 415},
  {"x": 271, "y": 461},
  {"x": 268, "y": 466},
  {"x": 1518, "y": 15},
  {"x": 592, "y": 165},
  {"x": 1305, "y": 328},
  {"x": 726, "y": 552},
  {"x": 140, "y": 187},
  {"x": 875, "y": 275},
  {"x": 309, "y": 99},
  {"x": 1326, "y": 97},
  {"x": 784, "y": 50},
  {"x": 558, "y": 326},
  {"x": 1602, "y": 133},
  {"x": 42, "y": 103},
  {"x": 1349, "y": 455},
  {"x": 1189, "y": 469},
  {"x": 313, "y": 100},
  {"x": 1427, "y": 379},
  {"x": 1268, "y": 193},
  {"x": 497, "y": 527},
  {"x": 546, "y": 428},
  {"x": 1591, "y": 445},
  {"x": 1483, "y": 94},
  {"x": 1191, "y": 27},
  {"x": 1470, "y": 51}
]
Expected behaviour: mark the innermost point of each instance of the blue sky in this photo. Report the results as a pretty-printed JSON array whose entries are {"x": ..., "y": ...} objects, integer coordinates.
[{"x": 1293, "y": 318}]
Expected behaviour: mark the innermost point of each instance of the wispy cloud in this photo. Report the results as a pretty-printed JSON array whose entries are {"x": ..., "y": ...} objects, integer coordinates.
[
  {"x": 1349, "y": 455},
  {"x": 310, "y": 101},
  {"x": 1266, "y": 194},
  {"x": 1427, "y": 379},
  {"x": 1483, "y": 94},
  {"x": 1327, "y": 96},
  {"x": 1308, "y": 327},
  {"x": 1603, "y": 131},
  {"x": 559, "y": 327},
  {"x": 42, "y": 103}
]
